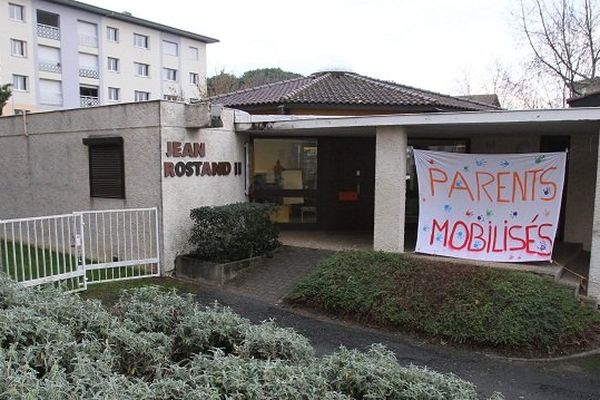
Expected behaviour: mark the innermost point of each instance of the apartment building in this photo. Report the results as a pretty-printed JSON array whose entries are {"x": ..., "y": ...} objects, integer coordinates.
[{"x": 67, "y": 54}]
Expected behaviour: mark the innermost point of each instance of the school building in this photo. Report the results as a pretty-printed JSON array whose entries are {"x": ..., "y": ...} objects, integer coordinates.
[{"x": 345, "y": 174}]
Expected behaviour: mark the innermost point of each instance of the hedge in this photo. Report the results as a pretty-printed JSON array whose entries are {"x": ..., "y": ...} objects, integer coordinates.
[
  {"x": 233, "y": 232},
  {"x": 159, "y": 345}
]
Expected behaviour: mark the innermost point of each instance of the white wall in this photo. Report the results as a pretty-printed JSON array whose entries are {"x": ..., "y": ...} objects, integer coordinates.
[{"x": 181, "y": 194}]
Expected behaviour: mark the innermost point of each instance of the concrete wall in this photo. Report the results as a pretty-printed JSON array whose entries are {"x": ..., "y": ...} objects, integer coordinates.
[
  {"x": 181, "y": 194},
  {"x": 44, "y": 164}
]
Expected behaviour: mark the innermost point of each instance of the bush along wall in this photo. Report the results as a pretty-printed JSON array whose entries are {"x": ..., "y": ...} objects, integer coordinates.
[
  {"x": 158, "y": 345},
  {"x": 233, "y": 232}
]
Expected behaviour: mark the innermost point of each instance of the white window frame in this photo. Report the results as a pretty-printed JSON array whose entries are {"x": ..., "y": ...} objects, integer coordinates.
[
  {"x": 16, "y": 87},
  {"x": 138, "y": 65},
  {"x": 114, "y": 90},
  {"x": 109, "y": 36},
  {"x": 194, "y": 78},
  {"x": 15, "y": 6},
  {"x": 137, "y": 93},
  {"x": 195, "y": 53},
  {"x": 170, "y": 74},
  {"x": 23, "y": 47},
  {"x": 146, "y": 38},
  {"x": 117, "y": 63}
]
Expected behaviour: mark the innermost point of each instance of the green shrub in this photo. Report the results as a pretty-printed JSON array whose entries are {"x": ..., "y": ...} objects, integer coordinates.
[
  {"x": 462, "y": 303},
  {"x": 233, "y": 232}
]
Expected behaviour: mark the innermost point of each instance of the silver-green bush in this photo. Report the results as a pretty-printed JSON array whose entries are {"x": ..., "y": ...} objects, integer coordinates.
[{"x": 159, "y": 345}]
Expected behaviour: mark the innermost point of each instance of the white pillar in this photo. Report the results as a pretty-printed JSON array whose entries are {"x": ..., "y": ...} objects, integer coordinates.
[
  {"x": 594, "y": 276},
  {"x": 390, "y": 189}
]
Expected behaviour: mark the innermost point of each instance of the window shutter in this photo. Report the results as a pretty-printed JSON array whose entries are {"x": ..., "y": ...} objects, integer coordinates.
[{"x": 107, "y": 178}]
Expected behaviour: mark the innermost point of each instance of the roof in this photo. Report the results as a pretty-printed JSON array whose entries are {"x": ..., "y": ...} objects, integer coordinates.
[
  {"x": 345, "y": 88},
  {"x": 134, "y": 20},
  {"x": 589, "y": 99},
  {"x": 457, "y": 123},
  {"x": 483, "y": 98}
]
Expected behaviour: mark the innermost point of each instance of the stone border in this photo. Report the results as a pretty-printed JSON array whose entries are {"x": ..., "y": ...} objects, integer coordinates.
[{"x": 212, "y": 273}]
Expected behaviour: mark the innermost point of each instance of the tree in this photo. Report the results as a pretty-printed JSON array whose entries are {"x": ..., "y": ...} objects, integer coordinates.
[
  {"x": 564, "y": 36},
  {"x": 225, "y": 82},
  {"x": 5, "y": 94}
]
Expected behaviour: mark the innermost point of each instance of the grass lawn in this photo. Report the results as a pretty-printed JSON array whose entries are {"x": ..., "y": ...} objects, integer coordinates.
[
  {"x": 459, "y": 303},
  {"x": 27, "y": 263}
]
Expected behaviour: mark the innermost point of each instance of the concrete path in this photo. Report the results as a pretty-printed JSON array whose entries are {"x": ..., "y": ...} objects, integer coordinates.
[
  {"x": 256, "y": 294},
  {"x": 572, "y": 380},
  {"x": 274, "y": 278}
]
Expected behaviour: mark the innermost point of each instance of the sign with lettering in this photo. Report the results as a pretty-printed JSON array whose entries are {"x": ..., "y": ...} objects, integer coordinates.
[
  {"x": 493, "y": 207},
  {"x": 189, "y": 150}
]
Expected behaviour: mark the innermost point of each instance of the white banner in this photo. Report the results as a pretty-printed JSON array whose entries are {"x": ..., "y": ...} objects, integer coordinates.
[{"x": 493, "y": 207}]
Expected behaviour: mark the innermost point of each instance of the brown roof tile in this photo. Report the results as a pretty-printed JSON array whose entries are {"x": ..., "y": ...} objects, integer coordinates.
[{"x": 345, "y": 88}]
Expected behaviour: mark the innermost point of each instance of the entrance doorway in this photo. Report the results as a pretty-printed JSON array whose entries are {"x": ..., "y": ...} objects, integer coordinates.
[{"x": 554, "y": 144}]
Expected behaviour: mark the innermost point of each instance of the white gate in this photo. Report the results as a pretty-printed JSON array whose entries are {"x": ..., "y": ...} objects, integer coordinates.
[{"x": 81, "y": 248}]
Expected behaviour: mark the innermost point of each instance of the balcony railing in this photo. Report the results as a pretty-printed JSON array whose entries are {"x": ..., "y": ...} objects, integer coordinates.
[
  {"x": 53, "y": 99},
  {"x": 89, "y": 101},
  {"x": 48, "y": 31},
  {"x": 50, "y": 66},
  {"x": 89, "y": 73},
  {"x": 88, "y": 41}
]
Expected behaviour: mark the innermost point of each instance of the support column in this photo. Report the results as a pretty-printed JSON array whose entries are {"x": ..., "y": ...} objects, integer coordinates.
[
  {"x": 594, "y": 276},
  {"x": 390, "y": 189}
]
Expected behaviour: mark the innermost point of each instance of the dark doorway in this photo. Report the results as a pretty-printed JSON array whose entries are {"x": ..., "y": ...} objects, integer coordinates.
[
  {"x": 346, "y": 183},
  {"x": 554, "y": 144}
]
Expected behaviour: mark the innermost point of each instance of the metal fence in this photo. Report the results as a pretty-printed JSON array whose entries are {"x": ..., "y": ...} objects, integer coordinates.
[{"x": 81, "y": 248}]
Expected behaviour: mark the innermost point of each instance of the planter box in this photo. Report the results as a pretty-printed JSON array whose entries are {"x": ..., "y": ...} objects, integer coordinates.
[{"x": 190, "y": 267}]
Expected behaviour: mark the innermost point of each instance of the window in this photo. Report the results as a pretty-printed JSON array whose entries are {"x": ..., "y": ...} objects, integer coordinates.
[
  {"x": 16, "y": 12},
  {"x": 88, "y": 34},
  {"x": 141, "y": 96},
  {"x": 142, "y": 69},
  {"x": 18, "y": 48},
  {"x": 20, "y": 83},
  {"x": 169, "y": 74},
  {"x": 88, "y": 66},
  {"x": 112, "y": 34},
  {"x": 106, "y": 164},
  {"x": 194, "y": 78},
  {"x": 113, "y": 64},
  {"x": 141, "y": 41},
  {"x": 49, "y": 59},
  {"x": 170, "y": 97},
  {"x": 194, "y": 53},
  {"x": 170, "y": 48},
  {"x": 51, "y": 92},
  {"x": 114, "y": 94}
]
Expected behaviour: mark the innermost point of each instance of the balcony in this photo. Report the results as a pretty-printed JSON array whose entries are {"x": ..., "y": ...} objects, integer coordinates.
[
  {"x": 48, "y": 31},
  {"x": 50, "y": 66},
  {"x": 89, "y": 73},
  {"x": 88, "y": 41},
  {"x": 88, "y": 101}
]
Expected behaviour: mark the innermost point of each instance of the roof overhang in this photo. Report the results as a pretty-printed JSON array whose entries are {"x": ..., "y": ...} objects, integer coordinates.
[
  {"x": 134, "y": 20},
  {"x": 560, "y": 121}
]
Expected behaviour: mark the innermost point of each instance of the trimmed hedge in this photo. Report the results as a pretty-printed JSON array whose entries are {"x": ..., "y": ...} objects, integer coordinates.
[
  {"x": 159, "y": 345},
  {"x": 460, "y": 303},
  {"x": 233, "y": 232}
]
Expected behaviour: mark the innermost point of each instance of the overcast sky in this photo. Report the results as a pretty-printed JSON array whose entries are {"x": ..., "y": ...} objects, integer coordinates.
[{"x": 431, "y": 44}]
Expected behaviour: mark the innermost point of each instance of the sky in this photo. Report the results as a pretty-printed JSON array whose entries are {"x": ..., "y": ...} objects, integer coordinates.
[{"x": 431, "y": 44}]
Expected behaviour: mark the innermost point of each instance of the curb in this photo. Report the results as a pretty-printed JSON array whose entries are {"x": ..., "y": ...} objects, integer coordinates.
[{"x": 307, "y": 313}]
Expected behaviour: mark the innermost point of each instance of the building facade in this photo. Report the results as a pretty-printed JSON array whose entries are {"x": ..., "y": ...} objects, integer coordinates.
[{"x": 66, "y": 54}]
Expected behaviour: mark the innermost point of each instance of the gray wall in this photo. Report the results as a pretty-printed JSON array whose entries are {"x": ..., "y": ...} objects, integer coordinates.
[{"x": 44, "y": 164}]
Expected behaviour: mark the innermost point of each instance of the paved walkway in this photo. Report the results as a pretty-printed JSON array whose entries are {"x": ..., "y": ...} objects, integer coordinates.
[
  {"x": 516, "y": 380},
  {"x": 256, "y": 294},
  {"x": 274, "y": 278}
]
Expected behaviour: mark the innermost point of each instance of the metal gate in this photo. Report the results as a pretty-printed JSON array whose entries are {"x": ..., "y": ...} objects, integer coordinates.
[{"x": 81, "y": 248}]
